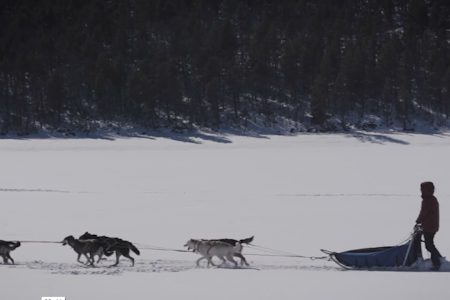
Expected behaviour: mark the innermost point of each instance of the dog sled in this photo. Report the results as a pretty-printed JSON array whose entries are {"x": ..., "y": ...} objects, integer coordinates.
[{"x": 402, "y": 255}]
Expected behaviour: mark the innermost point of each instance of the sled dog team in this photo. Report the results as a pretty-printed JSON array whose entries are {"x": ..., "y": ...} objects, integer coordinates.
[{"x": 91, "y": 245}]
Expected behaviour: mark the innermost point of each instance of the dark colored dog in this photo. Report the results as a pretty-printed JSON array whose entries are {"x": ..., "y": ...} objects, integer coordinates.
[
  {"x": 85, "y": 247},
  {"x": 5, "y": 248},
  {"x": 121, "y": 247}
]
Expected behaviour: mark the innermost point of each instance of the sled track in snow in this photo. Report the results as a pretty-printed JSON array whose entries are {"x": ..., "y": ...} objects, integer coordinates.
[
  {"x": 42, "y": 191},
  {"x": 33, "y": 190},
  {"x": 151, "y": 266},
  {"x": 174, "y": 266},
  {"x": 345, "y": 195}
]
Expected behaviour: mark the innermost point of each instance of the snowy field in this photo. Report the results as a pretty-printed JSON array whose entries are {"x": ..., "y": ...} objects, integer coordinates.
[{"x": 298, "y": 194}]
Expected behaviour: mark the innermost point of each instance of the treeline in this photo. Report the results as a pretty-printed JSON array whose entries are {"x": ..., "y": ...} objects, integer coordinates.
[{"x": 217, "y": 63}]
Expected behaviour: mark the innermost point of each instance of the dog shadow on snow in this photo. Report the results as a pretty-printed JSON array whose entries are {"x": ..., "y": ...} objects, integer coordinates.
[
  {"x": 105, "y": 268},
  {"x": 146, "y": 266},
  {"x": 175, "y": 266},
  {"x": 228, "y": 267}
]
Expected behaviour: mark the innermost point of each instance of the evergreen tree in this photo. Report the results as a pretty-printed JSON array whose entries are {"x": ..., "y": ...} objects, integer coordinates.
[
  {"x": 317, "y": 102},
  {"x": 446, "y": 93},
  {"x": 213, "y": 97}
]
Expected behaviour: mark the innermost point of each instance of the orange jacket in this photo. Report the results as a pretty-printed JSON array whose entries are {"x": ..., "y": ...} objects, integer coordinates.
[{"x": 429, "y": 214}]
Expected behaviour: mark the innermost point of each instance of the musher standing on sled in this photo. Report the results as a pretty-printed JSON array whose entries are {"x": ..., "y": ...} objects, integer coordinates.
[{"x": 429, "y": 219}]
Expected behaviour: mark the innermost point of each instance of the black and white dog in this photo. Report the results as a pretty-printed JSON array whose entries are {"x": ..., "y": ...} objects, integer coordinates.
[
  {"x": 233, "y": 242},
  {"x": 113, "y": 244},
  {"x": 5, "y": 248}
]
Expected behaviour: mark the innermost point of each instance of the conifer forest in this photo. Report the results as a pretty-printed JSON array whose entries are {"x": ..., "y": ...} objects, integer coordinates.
[{"x": 218, "y": 64}]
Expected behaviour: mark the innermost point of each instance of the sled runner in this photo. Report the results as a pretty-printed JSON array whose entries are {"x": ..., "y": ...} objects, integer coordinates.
[{"x": 380, "y": 257}]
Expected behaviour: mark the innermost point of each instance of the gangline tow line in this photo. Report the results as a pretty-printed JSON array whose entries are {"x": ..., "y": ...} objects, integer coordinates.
[{"x": 270, "y": 252}]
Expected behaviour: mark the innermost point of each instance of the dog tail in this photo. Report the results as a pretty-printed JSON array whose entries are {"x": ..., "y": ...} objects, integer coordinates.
[
  {"x": 246, "y": 241},
  {"x": 134, "y": 249},
  {"x": 14, "y": 245}
]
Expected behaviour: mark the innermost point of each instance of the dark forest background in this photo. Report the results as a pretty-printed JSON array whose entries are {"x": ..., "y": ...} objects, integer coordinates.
[{"x": 187, "y": 64}]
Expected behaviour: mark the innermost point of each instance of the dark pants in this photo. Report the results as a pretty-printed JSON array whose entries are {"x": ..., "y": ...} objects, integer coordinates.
[{"x": 429, "y": 245}]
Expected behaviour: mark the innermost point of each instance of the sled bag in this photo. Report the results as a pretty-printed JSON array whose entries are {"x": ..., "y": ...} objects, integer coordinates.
[{"x": 377, "y": 257}]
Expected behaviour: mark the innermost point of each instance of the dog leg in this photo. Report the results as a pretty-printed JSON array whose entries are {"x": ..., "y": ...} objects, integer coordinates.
[
  {"x": 212, "y": 263},
  {"x": 117, "y": 258},
  {"x": 9, "y": 256},
  {"x": 209, "y": 258},
  {"x": 5, "y": 260},
  {"x": 130, "y": 258},
  {"x": 200, "y": 259},
  {"x": 99, "y": 257},
  {"x": 230, "y": 258},
  {"x": 243, "y": 260},
  {"x": 78, "y": 259},
  {"x": 222, "y": 259},
  {"x": 87, "y": 258},
  {"x": 92, "y": 259}
]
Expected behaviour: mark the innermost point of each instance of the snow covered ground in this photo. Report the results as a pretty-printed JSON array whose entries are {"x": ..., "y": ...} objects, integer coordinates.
[{"x": 298, "y": 194}]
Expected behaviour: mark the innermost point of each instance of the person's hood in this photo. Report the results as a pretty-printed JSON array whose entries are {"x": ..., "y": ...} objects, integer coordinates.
[{"x": 427, "y": 188}]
